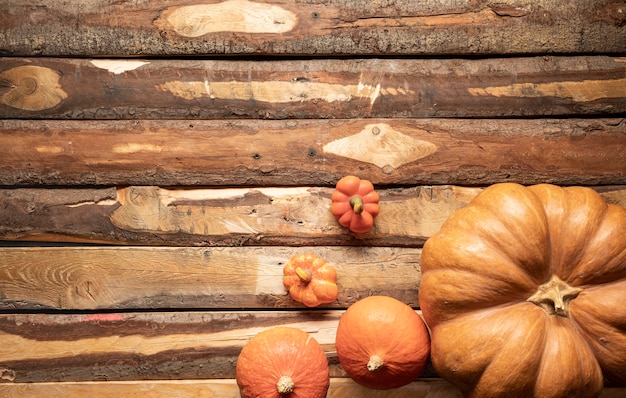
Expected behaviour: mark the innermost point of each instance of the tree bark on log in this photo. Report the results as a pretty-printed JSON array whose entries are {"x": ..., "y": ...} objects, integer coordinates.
[
  {"x": 60, "y": 88},
  {"x": 312, "y": 152},
  {"x": 298, "y": 27}
]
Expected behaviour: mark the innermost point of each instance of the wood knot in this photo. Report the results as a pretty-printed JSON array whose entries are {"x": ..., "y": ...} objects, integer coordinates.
[{"x": 31, "y": 88}]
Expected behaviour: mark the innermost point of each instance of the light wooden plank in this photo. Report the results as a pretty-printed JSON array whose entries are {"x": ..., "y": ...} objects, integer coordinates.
[
  {"x": 339, "y": 388},
  {"x": 80, "y": 278},
  {"x": 70, "y": 88},
  {"x": 295, "y": 216},
  {"x": 296, "y": 27},
  {"x": 312, "y": 152}
]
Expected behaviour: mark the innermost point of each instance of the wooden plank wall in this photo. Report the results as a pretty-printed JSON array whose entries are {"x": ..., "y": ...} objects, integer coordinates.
[{"x": 161, "y": 161}]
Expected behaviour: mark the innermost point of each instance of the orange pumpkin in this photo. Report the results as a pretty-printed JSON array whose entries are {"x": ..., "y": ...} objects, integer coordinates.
[
  {"x": 524, "y": 290},
  {"x": 282, "y": 362},
  {"x": 355, "y": 204},
  {"x": 310, "y": 280},
  {"x": 382, "y": 343}
]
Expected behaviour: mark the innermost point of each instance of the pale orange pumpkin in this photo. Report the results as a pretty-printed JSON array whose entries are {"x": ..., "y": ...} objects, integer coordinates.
[
  {"x": 382, "y": 343},
  {"x": 282, "y": 362},
  {"x": 524, "y": 290}
]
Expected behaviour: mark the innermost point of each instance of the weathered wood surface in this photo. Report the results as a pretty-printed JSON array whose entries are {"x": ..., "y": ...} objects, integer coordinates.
[
  {"x": 176, "y": 347},
  {"x": 150, "y": 215},
  {"x": 39, "y": 88},
  {"x": 298, "y": 27},
  {"x": 312, "y": 152},
  {"x": 133, "y": 278},
  {"x": 297, "y": 216},
  {"x": 227, "y": 388},
  {"x": 145, "y": 346}
]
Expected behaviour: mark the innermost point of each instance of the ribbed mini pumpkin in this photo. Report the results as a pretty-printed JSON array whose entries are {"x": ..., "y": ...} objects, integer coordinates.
[
  {"x": 524, "y": 290},
  {"x": 282, "y": 362},
  {"x": 382, "y": 343}
]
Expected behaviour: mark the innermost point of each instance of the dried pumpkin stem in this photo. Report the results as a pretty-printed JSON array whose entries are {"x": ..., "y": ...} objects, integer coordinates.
[
  {"x": 375, "y": 363},
  {"x": 285, "y": 385},
  {"x": 554, "y": 296},
  {"x": 356, "y": 202},
  {"x": 304, "y": 274}
]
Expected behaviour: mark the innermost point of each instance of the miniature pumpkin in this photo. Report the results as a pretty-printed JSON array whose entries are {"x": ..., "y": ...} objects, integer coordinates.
[
  {"x": 382, "y": 343},
  {"x": 355, "y": 204},
  {"x": 282, "y": 362},
  {"x": 310, "y": 280},
  {"x": 524, "y": 290}
]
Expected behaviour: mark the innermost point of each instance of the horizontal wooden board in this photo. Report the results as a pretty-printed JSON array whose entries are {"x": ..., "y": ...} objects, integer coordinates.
[
  {"x": 298, "y": 27},
  {"x": 66, "y": 88},
  {"x": 312, "y": 152},
  {"x": 145, "y": 346},
  {"x": 296, "y": 216},
  {"x": 129, "y": 352},
  {"x": 123, "y": 278},
  {"x": 227, "y": 388}
]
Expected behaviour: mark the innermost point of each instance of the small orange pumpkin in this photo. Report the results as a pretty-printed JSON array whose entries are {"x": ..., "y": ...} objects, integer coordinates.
[
  {"x": 382, "y": 343},
  {"x": 355, "y": 204},
  {"x": 282, "y": 362},
  {"x": 310, "y": 280}
]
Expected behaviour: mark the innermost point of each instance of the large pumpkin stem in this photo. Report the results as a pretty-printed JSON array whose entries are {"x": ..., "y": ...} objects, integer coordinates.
[
  {"x": 375, "y": 363},
  {"x": 304, "y": 274},
  {"x": 285, "y": 385},
  {"x": 356, "y": 202},
  {"x": 554, "y": 296}
]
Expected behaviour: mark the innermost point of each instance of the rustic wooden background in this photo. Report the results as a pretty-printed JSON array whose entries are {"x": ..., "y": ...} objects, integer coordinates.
[{"x": 160, "y": 162}]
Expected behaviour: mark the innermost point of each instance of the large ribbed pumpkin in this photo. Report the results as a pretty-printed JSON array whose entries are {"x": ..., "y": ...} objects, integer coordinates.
[
  {"x": 524, "y": 290},
  {"x": 282, "y": 362},
  {"x": 382, "y": 343}
]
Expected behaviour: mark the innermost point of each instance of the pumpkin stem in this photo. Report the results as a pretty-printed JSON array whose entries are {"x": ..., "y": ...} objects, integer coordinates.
[
  {"x": 554, "y": 296},
  {"x": 285, "y": 385},
  {"x": 356, "y": 202},
  {"x": 375, "y": 363},
  {"x": 304, "y": 274}
]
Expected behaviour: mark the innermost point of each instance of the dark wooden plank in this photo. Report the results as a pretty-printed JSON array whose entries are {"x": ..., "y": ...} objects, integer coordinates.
[
  {"x": 136, "y": 278},
  {"x": 312, "y": 152},
  {"x": 299, "y": 27},
  {"x": 298, "y": 216},
  {"x": 38, "y": 88},
  {"x": 144, "y": 346}
]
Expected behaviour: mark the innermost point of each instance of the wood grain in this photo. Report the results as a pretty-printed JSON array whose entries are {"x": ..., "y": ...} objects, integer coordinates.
[
  {"x": 226, "y": 388},
  {"x": 134, "y": 278},
  {"x": 70, "y": 88},
  {"x": 145, "y": 346},
  {"x": 127, "y": 353},
  {"x": 312, "y": 152},
  {"x": 294, "y": 216},
  {"x": 298, "y": 27}
]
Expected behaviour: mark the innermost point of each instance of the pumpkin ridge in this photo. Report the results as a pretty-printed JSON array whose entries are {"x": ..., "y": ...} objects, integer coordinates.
[
  {"x": 584, "y": 386},
  {"x": 500, "y": 247},
  {"x": 517, "y": 348}
]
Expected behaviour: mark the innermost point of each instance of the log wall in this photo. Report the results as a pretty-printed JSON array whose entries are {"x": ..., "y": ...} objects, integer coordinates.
[{"x": 161, "y": 161}]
